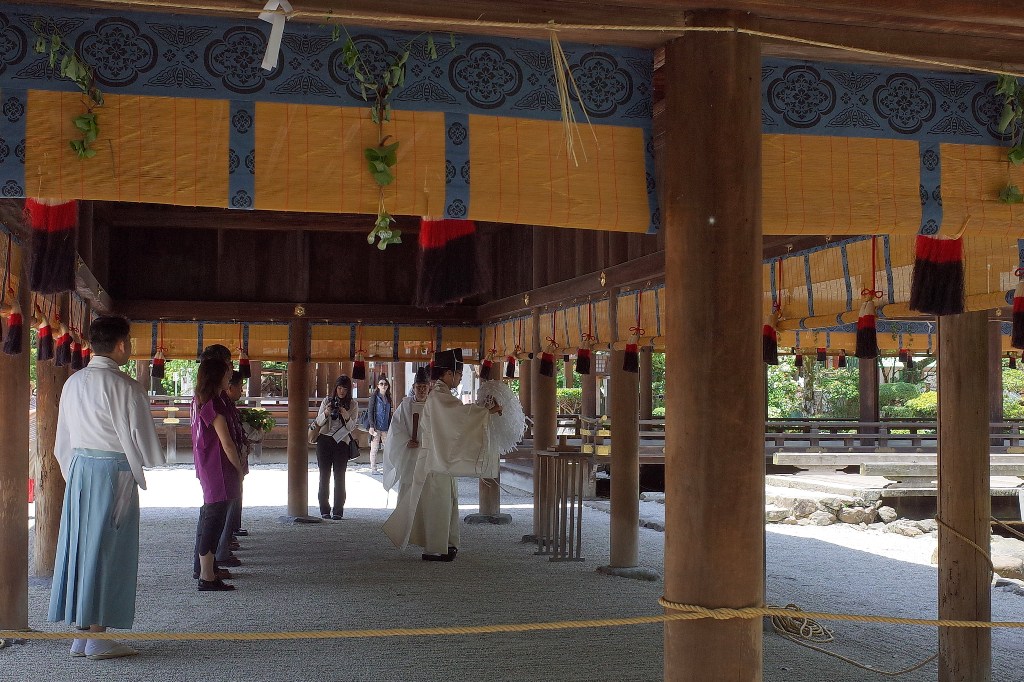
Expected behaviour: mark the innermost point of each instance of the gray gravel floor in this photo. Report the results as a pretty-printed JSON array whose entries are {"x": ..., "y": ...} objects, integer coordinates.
[{"x": 345, "y": 574}]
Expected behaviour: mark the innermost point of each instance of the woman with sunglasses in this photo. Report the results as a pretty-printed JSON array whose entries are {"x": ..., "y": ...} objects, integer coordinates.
[{"x": 379, "y": 412}]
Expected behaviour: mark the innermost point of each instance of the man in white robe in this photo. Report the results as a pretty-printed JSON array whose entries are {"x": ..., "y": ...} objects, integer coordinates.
[
  {"x": 402, "y": 450},
  {"x": 451, "y": 435},
  {"x": 105, "y": 435}
]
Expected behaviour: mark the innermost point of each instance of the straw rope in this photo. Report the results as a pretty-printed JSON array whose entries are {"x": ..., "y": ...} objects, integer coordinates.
[{"x": 547, "y": 26}]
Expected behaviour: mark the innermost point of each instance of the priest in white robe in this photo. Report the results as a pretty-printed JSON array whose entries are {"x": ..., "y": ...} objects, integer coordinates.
[
  {"x": 452, "y": 439},
  {"x": 105, "y": 436}
]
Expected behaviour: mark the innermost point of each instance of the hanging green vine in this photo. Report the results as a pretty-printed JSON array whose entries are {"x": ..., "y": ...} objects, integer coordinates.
[
  {"x": 377, "y": 89},
  {"x": 1011, "y": 122},
  {"x": 62, "y": 57}
]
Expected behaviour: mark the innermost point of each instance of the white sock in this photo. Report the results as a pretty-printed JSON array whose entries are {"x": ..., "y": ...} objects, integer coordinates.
[
  {"x": 98, "y": 646},
  {"x": 78, "y": 646}
]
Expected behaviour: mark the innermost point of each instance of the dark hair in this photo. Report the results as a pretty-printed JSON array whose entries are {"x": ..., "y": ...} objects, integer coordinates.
[
  {"x": 216, "y": 351},
  {"x": 345, "y": 381},
  {"x": 387, "y": 393},
  {"x": 211, "y": 374},
  {"x": 437, "y": 372},
  {"x": 236, "y": 378},
  {"x": 106, "y": 331}
]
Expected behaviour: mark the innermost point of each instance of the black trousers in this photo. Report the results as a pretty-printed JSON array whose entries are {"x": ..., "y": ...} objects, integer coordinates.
[
  {"x": 332, "y": 456},
  {"x": 211, "y": 525}
]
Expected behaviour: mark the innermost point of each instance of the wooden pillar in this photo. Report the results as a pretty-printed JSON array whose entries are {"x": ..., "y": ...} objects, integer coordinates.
[
  {"x": 14, "y": 387},
  {"x": 867, "y": 382},
  {"x": 625, "y": 464},
  {"x": 49, "y": 480},
  {"x": 588, "y": 386},
  {"x": 646, "y": 382},
  {"x": 321, "y": 379},
  {"x": 256, "y": 380},
  {"x": 713, "y": 559},
  {"x": 995, "y": 370},
  {"x": 545, "y": 416},
  {"x": 144, "y": 374},
  {"x": 298, "y": 417},
  {"x": 398, "y": 385},
  {"x": 526, "y": 386},
  {"x": 567, "y": 372},
  {"x": 965, "y": 654}
]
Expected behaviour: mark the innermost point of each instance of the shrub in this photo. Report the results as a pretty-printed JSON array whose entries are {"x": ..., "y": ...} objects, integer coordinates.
[
  {"x": 658, "y": 412},
  {"x": 569, "y": 400},
  {"x": 924, "y": 406}
]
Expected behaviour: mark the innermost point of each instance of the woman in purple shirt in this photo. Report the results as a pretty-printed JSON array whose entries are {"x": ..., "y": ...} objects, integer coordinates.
[{"x": 218, "y": 466}]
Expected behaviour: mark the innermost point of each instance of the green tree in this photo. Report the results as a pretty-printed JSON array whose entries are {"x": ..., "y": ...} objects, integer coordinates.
[
  {"x": 893, "y": 398},
  {"x": 782, "y": 387}
]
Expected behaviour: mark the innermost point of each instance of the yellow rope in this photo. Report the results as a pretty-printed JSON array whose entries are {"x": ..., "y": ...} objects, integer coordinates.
[
  {"x": 536, "y": 26},
  {"x": 683, "y": 612}
]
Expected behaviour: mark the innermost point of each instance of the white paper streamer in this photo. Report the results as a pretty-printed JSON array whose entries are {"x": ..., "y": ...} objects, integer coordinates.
[
  {"x": 506, "y": 429},
  {"x": 276, "y": 20}
]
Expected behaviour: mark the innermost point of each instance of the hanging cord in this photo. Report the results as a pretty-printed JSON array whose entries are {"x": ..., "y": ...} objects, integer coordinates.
[
  {"x": 638, "y": 331},
  {"x": 873, "y": 292},
  {"x": 492, "y": 352},
  {"x": 552, "y": 343},
  {"x": 589, "y": 338},
  {"x": 519, "y": 340},
  {"x": 8, "y": 289}
]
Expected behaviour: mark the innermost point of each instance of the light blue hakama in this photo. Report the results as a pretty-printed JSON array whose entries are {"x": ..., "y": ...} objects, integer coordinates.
[{"x": 97, "y": 564}]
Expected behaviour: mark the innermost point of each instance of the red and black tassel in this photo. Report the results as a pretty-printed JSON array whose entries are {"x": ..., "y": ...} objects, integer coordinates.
[
  {"x": 798, "y": 360},
  {"x": 584, "y": 363},
  {"x": 15, "y": 329},
  {"x": 359, "y": 369},
  {"x": 447, "y": 269},
  {"x": 485, "y": 369},
  {"x": 510, "y": 367},
  {"x": 52, "y": 259},
  {"x": 841, "y": 362},
  {"x": 77, "y": 362},
  {"x": 770, "y": 339},
  {"x": 937, "y": 285},
  {"x": 821, "y": 355},
  {"x": 547, "y": 363},
  {"x": 243, "y": 364},
  {"x": 867, "y": 334},
  {"x": 62, "y": 348},
  {"x": 1013, "y": 361},
  {"x": 1017, "y": 335},
  {"x": 159, "y": 364},
  {"x": 44, "y": 342}
]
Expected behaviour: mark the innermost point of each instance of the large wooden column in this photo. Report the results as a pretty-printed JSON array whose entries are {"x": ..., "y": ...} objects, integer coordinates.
[
  {"x": 49, "y": 480},
  {"x": 526, "y": 386},
  {"x": 588, "y": 394},
  {"x": 398, "y": 386},
  {"x": 625, "y": 464},
  {"x": 321, "y": 379},
  {"x": 867, "y": 383},
  {"x": 646, "y": 382},
  {"x": 298, "y": 418},
  {"x": 144, "y": 374},
  {"x": 711, "y": 209},
  {"x": 965, "y": 654},
  {"x": 14, "y": 387},
  {"x": 543, "y": 395}
]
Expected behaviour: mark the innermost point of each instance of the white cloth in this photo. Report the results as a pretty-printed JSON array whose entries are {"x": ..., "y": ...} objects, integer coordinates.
[
  {"x": 453, "y": 438},
  {"x": 102, "y": 408},
  {"x": 399, "y": 459}
]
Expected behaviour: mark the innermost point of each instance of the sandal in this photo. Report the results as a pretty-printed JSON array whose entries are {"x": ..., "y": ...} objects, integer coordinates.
[{"x": 217, "y": 585}]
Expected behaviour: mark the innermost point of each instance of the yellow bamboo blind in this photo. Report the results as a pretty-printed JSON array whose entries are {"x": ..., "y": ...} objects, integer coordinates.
[
  {"x": 310, "y": 158},
  {"x": 164, "y": 150},
  {"x": 972, "y": 176},
  {"x": 523, "y": 175}
]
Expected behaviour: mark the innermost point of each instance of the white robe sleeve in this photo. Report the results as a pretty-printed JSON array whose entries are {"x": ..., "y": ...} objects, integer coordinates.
[
  {"x": 456, "y": 436},
  {"x": 134, "y": 425}
]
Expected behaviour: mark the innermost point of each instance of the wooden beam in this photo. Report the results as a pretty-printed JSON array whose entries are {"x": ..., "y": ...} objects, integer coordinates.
[
  {"x": 646, "y": 268},
  {"x": 239, "y": 311},
  {"x": 88, "y": 287}
]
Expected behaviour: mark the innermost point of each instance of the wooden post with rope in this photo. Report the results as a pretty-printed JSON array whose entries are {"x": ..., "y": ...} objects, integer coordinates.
[{"x": 964, "y": 502}]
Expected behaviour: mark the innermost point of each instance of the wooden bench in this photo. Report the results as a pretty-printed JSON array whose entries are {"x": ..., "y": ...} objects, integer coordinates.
[{"x": 920, "y": 478}]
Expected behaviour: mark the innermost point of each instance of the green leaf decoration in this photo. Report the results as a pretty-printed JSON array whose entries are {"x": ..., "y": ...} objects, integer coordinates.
[
  {"x": 1011, "y": 194},
  {"x": 1006, "y": 85},
  {"x": 1007, "y": 117},
  {"x": 1016, "y": 155}
]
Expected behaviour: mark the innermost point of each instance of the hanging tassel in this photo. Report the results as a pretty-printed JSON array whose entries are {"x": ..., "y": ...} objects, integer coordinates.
[
  {"x": 76, "y": 356},
  {"x": 15, "y": 329},
  {"x": 841, "y": 363},
  {"x": 770, "y": 338},
  {"x": 867, "y": 334},
  {"x": 584, "y": 362},
  {"x": 243, "y": 364},
  {"x": 1013, "y": 361},
  {"x": 631, "y": 358},
  {"x": 62, "y": 348},
  {"x": 510, "y": 367},
  {"x": 821, "y": 355},
  {"x": 485, "y": 369},
  {"x": 52, "y": 259},
  {"x": 359, "y": 368},
  {"x": 44, "y": 341},
  {"x": 547, "y": 364},
  {"x": 1017, "y": 336},
  {"x": 937, "y": 285},
  {"x": 159, "y": 363},
  {"x": 798, "y": 360},
  {"x": 446, "y": 265},
  {"x": 903, "y": 356}
]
